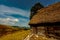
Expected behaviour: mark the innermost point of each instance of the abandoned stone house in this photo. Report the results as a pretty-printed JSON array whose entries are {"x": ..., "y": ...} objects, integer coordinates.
[{"x": 46, "y": 20}]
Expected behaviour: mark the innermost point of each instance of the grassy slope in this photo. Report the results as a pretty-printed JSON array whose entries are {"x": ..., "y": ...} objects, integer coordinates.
[{"x": 19, "y": 35}]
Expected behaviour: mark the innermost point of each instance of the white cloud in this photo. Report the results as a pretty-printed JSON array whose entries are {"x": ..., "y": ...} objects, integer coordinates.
[
  {"x": 14, "y": 10},
  {"x": 10, "y": 20},
  {"x": 15, "y": 20}
]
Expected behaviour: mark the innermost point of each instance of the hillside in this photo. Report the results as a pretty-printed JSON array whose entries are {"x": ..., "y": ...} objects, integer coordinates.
[
  {"x": 19, "y": 35},
  {"x": 6, "y": 29},
  {"x": 8, "y": 32}
]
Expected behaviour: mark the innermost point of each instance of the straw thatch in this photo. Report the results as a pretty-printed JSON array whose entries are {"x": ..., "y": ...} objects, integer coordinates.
[{"x": 47, "y": 14}]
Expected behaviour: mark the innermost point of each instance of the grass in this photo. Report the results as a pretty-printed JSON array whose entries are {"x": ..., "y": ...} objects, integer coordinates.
[{"x": 19, "y": 35}]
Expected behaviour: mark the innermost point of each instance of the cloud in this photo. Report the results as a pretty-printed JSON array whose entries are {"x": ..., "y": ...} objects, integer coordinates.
[
  {"x": 13, "y": 10},
  {"x": 13, "y": 16},
  {"x": 8, "y": 21}
]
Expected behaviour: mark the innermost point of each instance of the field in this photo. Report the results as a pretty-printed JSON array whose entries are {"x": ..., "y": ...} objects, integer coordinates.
[
  {"x": 19, "y": 35},
  {"x": 12, "y": 33}
]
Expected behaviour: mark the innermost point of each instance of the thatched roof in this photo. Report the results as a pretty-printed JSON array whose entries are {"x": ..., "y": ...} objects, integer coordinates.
[{"x": 47, "y": 14}]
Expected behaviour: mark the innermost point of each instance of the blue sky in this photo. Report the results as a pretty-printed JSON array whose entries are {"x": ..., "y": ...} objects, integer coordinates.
[{"x": 17, "y": 12}]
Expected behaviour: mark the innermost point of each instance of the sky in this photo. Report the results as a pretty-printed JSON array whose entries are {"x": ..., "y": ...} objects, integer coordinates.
[{"x": 17, "y": 12}]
